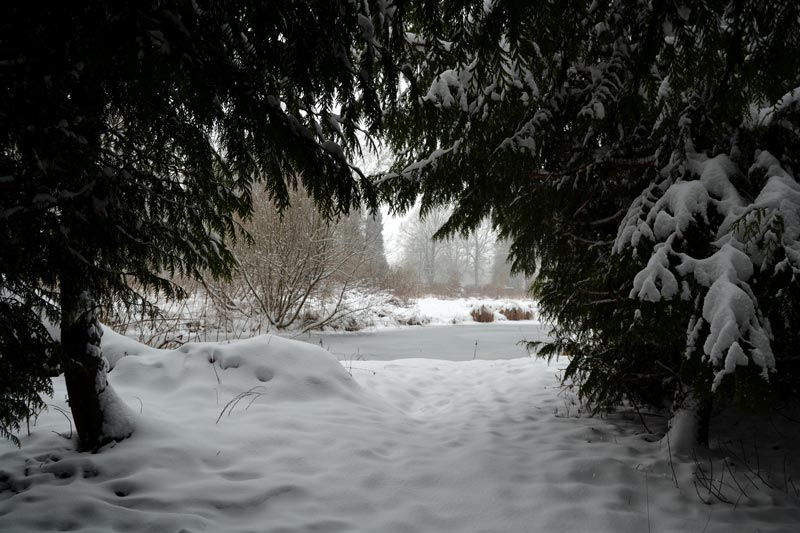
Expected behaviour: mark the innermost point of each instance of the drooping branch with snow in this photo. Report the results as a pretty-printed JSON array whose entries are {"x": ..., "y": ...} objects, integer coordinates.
[{"x": 747, "y": 240}]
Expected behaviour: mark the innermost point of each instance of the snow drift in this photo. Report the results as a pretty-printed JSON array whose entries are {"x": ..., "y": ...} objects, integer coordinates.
[{"x": 273, "y": 435}]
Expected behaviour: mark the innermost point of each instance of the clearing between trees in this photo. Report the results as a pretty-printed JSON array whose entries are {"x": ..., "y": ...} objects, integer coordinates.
[{"x": 273, "y": 435}]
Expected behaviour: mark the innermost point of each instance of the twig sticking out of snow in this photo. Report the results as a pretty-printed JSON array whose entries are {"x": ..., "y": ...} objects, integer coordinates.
[{"x": 253, "y": 394}]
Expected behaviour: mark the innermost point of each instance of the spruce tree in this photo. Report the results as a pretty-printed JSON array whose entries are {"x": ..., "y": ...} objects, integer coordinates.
[
  {"x": 373, "y": 233},
  {"x": 584, "y": 130},
  {"x": 131, "y": 138}
]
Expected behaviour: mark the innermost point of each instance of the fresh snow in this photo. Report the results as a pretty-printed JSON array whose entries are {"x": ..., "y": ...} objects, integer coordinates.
[
  {"x": 749, "y": 238},
  {"x": 762, "y": 116},
  {"x": 380, "y": 311},
  {"x": 432, "y": 310},
  {"x": 274, "y": 435}
]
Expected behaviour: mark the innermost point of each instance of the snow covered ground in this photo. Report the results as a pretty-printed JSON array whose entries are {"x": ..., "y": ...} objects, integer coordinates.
[
  {"x": 437, "y": 311},
  {"x": 274, "y": 435},
  {"x": 197, "y": 319}
]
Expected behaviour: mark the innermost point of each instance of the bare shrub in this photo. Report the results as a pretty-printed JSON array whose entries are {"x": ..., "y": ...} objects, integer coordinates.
[
  {"x": 482, "y": 314},
  {"x": 299, "y": 268},
  {"x": 414, "y": 320},
  {"x": 162, "y": 322},
  {"x": 402, "y": 283},
  {"x": 516, "y": 313},
  {"x": 297, "y": 271},
  {"x": 351, "y": 324}
]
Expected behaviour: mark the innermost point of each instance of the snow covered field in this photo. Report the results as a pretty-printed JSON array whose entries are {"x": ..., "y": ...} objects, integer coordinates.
[
  {"x": 274, "y": 435},
  {"x": 196, "y": 319}
]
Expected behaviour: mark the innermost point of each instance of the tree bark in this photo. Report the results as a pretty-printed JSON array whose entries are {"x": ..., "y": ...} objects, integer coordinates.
[
  {"x": 704, "y": 407},
  {"x": 690, "y": 423},
  {"x": 83, "y": 363},
  {"x": 477, "y": 257}
]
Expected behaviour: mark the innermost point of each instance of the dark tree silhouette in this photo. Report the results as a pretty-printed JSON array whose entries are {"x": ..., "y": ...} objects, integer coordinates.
[
  {"x": 131, "y": 136},
  {"x": 587, "y": 131}
]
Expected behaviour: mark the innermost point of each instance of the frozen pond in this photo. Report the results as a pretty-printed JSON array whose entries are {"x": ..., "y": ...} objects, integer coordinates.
[{"x": 459, "y": 342}]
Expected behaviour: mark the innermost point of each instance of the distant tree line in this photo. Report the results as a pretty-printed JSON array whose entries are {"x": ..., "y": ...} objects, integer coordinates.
[{"x": 475, "y": 261}]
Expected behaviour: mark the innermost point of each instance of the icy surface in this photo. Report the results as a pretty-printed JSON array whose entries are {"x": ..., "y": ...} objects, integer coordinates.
[
  {"x": 461, "y": 342},
  {"x": 273, "y": 435}
]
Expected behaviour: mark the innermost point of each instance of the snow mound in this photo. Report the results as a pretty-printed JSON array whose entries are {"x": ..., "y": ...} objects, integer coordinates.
[
  {"x": 265, "y": 368},
  {"x": 116, "y": 346},
  {"x": 273, "y": 435},
  {"x": 222, "y": 436}
]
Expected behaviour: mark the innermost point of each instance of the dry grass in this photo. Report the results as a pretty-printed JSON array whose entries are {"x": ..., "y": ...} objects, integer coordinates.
[
  {"x": 517, "y": 313},
  {"x": 413, "y": 321},
  {"x": 482, "y": 314}
]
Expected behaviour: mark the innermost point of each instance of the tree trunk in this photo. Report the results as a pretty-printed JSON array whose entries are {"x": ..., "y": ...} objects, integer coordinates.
[
  {"x": 83, "y": 364},
  {"x": 99, "y": 415},
  {"x": 476, "y": 265},
  {"x": 690, "y": 423},
  {"x": 704, "y": 407}
]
